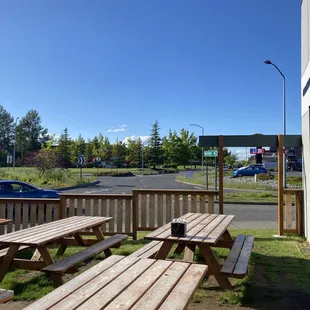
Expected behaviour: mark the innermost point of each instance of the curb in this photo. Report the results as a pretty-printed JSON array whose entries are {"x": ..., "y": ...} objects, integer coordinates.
[{"x": 77, "y": 186}]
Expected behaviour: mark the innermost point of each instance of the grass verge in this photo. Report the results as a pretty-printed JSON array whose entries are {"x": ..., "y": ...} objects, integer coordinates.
[
  {"x": 50, "y": 179},
  {"x": 275, "y": 263}
]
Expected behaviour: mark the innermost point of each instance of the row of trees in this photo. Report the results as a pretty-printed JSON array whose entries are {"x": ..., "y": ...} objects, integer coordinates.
[{"x": 34, "y": 146}]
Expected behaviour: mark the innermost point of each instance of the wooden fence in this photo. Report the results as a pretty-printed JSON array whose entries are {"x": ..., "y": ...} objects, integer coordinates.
[
  {"x": 292, "y": 214},
  {"x": 145, "y": 209}
]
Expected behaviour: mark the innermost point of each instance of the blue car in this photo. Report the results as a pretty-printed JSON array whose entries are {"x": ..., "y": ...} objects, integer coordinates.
[
  {"x": 17, "y": 189},
  {"x": 250, "y": 170}
]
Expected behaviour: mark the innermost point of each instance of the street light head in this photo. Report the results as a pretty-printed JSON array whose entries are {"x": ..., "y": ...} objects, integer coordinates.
[{"x": 267, "y": 62}]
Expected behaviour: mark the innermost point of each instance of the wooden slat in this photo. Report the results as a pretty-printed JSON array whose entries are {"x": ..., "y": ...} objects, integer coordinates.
[
  {"x": 160, "y": 210},
  {"x": 211, "y": 222},
  {"x": 150, "y": 248},
  {"x": 96, "y": 207},
  {"x": 280, "y": 185},
  {"x": 119, "y": 217},
  {"x": 63, "y": 291},
  {"x": 154, "y": 297},
  {"x": 5, "y": 295},
  {"x": 185, "y": 203},
  {"x": 133, "y": 293},
  {"x": 2, "y": 215},
  {"x": 112, "y": 213},
  {"x": 168, "y": 207},
  {"x": 87, "y": 207},
  {"x": 202, "y": 204},
  {"x": 182, "y": 293},
  {"x": 10, "y": 216},
  {"x": 79, "y": 207},
  {"x": 142, "y": 208},
  {"x": 194, "y": 204},
  {"x": 288, "y": 211},
  {"x": 242, "y": 264},
  {"x": 210, "y": 204},
  {"x": 151, "y": 211},
  {"x": 128, "y": 214},
  {"x": 17, "y": 216},
  {"x": 70, "y": 261},
  {"x": 231, "y": 260},
  {"x": 72, "y": 207},
  {"x": 40, "y": 213},
  {"x": 58, "y": 211},
  {"x": 105, "y": 289},
  {"x": 49, "y": 208},
  {"x": 215, "y": 235},
  {"x": 176, "y": 206},
  {"x": 104, "y": 213},
  {"x": 33, "y": 214}
]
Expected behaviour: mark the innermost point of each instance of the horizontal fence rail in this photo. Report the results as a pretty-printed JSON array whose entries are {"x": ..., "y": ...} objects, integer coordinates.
[{"x": 293, "y": 211}]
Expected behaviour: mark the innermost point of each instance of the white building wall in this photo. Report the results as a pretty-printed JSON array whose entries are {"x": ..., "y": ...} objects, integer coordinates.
[{"x": 305, "y": 104}]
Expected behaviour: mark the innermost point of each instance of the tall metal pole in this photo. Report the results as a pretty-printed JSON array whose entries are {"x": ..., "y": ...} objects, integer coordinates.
[
  {"x": 14, "y": 148},
  {"x": 268, "y": 62},
  {"x": 202, "y": 149}
]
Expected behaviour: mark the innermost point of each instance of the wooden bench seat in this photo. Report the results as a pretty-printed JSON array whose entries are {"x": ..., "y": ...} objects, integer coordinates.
[
  {"x": 5, "y": 295},
  {"x": 236, "y": 264},
  {"x": 69, "y": 264},
  {"x": 148, "y": 251}
]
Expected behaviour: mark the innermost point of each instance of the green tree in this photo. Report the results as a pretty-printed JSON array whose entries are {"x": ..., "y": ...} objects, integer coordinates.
[
  {"x": 134, "y": 152},
  {"x": 6, "y": 134},
  {"x": 186, "y": 143},
  {"x": 64, "y": 142},
  {"x": 170, "y": 149},
  {"x": 155, "y": 147},
  {"x": 77, "y": 147},
  {"x": 119, "y": 153},
  {"x": 30, "y": 134}
]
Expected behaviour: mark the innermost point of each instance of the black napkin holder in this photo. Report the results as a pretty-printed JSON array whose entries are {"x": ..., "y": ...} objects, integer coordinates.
[{"x": 178, "y": 229}]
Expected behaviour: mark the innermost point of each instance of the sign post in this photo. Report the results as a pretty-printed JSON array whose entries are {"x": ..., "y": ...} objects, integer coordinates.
[
  {"x": 81, "y": 161},
  {"x": 212, "y": 153}
]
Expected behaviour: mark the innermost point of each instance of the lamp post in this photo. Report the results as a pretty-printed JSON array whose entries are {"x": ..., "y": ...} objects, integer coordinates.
[
  {"x": 203, "y": 132},
  {"x": 268, "y": 62},
  {"x": 14, "y": 148}
]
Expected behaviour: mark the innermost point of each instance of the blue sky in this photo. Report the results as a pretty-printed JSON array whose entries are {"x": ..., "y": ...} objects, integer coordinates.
[{"x": 117, "y": 66}]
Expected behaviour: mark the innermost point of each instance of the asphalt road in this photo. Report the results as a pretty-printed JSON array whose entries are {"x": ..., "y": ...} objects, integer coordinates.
[{"x": 124, "y": 185}]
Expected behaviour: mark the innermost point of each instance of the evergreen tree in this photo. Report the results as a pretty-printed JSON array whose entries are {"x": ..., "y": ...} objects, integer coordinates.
[
  {"x": 155, "y": 147},
  {"x": 64, "y": 148}
]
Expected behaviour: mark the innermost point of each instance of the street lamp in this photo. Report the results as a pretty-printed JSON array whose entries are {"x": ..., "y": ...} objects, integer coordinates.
[
  {"x": 203, "y": 133},
  {"x": 14, "y": 149},
  {"x": 268, "y": 62}
]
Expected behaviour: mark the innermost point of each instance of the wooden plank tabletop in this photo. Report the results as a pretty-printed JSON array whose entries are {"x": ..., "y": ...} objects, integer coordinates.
[
  {"x": 120, "y": 282},
  {"x": 201, "y": 228},
  {"x": 5, "y": 221},
  {"x": 52, "y": 231}
]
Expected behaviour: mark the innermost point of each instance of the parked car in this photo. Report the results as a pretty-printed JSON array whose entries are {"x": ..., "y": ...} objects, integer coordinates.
[
  {"x": 17, "y": 189},
  {"x": 250, "y": 170}
]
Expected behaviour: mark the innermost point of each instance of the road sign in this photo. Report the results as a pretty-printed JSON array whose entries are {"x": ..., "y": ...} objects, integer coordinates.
[
  {"x": 9, "y": 159},
  {"x": 188, "y": 174},
  {"x": 257, "y": 150},
  {"x": 210, "y": 153},
  {"x": 81, "y": 160}
]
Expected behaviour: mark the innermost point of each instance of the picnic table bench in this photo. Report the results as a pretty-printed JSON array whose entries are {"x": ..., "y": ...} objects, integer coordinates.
[
  {"x": 120, "y": 282},
  {"x": 39, "y": 237},
  {"x": 206, "y": 231}
]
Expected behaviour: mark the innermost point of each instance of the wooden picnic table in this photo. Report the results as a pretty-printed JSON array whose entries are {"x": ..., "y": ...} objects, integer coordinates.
[
  {"x": 39, "y": 237},
  {"x": 120, "y": 282},
  {"x": 5, "y": 221},
  {"x": 203, "y": 231}
]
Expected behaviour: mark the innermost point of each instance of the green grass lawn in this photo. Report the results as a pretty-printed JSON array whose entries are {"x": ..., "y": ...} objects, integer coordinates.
[{"x": 278, "y": 262}]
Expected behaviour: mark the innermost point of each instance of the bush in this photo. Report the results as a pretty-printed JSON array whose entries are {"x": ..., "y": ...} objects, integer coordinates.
[{"x": 265, "y": 176}]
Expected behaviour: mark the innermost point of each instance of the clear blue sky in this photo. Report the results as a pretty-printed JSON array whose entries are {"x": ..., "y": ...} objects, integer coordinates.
[{"x": 101, "y": 66}]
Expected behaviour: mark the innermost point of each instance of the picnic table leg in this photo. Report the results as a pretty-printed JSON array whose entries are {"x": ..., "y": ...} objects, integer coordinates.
[
  {"x": 189, "y": 252},
  {"x": 47, "y": 259},
  {"x": 7, "y": 260},
  {"x": 36, "y": 255},
  {"x": 215, "y": 267},
  {"x": 226, "y": 236},
  {"x": 99, "y": 235},
  {"x": 61, "y": 250},
  {"x": 164, "y": 250},
  {"x": 79, "y": 239},
  {"x": 179, "y": 249}
]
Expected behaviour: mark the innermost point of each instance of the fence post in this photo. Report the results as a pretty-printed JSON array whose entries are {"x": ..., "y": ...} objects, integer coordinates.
[
  {"x": 280, "y": 185},
  {"x": 135, "y": 203},
  {"x": 62, "y": 207}
]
